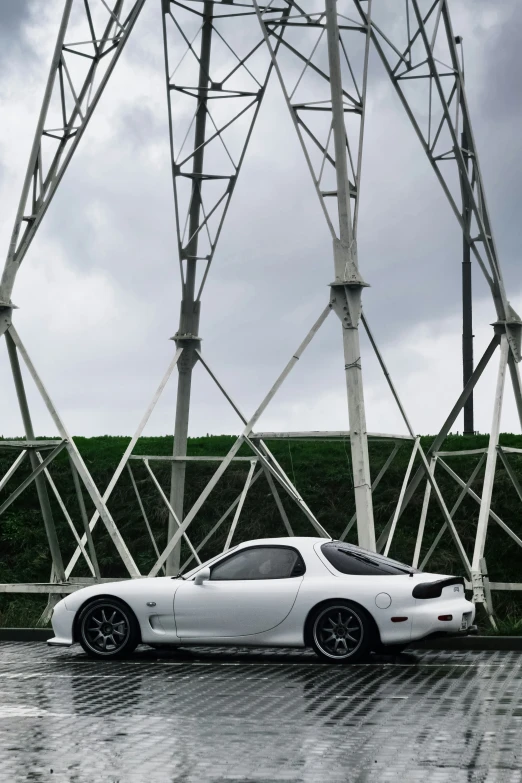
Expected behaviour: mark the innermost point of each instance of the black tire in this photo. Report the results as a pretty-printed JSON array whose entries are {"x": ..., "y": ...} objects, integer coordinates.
[
  {"x": 341, "y": 632},
  {"x": 107, "y": 628}
]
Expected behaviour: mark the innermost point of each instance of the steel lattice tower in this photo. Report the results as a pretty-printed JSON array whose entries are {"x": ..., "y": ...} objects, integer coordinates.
[{"x": 219, "y": 58}]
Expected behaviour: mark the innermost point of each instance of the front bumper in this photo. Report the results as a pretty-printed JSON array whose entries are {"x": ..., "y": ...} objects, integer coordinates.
[
  {"x": 62, "y": 622},
  {"x": 57, "y": 642}
]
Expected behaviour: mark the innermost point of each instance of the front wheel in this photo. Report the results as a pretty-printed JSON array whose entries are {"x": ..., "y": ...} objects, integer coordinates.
[
  {"x": 341, "y": 632},
  {"x": 107, "y": 628}
]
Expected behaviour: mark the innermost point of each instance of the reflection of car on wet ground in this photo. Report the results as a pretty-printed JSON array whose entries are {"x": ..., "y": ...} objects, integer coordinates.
[{"x": 341, "y": 600}]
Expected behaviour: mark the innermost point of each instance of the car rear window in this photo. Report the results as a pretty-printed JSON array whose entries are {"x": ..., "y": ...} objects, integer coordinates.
[{"x": 353, "y": 560}]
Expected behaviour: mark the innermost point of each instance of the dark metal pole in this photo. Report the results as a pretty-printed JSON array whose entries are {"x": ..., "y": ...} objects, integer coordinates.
[
  {"x": 467, "y": 304},
  {"x": 187, "y": 335}
]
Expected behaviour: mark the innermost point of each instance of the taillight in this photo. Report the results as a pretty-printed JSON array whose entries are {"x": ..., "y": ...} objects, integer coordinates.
[
  {"x": 445, "y": 617},
  {"x": 399, "y": 619}
]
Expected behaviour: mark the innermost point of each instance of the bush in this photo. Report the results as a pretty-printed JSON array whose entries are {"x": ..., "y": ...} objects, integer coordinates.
[{"x": 320, "y": 470}]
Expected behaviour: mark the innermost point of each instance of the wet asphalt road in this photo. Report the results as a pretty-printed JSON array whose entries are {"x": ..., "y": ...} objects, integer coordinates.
[{"x": 209, "y": 716}]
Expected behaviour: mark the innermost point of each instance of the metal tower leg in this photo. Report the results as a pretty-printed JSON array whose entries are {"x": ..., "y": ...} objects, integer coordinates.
[
  {"x": 187, "y": 336},
  {"x": 347, "y": 290},
  {"x": 340, "y": 168},
  {"x": 41, "y": 488},
  {"x": 489, "y": 478},
  {"x": 177, "y": 488},
  {"x": 467, "y": 303},
  {"x": 467, "y": 336},
  {"x": 204, "y": 183}
]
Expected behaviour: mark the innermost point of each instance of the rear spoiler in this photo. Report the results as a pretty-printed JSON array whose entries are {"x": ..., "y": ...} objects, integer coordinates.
[{"x": 434, "y": 589}]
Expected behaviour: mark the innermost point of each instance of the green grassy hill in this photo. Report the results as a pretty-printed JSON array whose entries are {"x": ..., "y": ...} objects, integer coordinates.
[{"x": 321, "y": 472}]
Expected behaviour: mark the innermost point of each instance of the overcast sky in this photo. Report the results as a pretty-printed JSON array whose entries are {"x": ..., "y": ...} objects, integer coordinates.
[{"x": 99, "y": 290}]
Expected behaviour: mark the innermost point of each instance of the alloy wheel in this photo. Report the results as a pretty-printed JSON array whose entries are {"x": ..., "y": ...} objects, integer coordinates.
[
  {"x": 106, "y": 629},
  {"x": 338, "y": 632}
]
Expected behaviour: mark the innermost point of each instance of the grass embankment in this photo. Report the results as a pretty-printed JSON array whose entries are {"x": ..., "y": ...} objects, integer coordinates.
[{"x": 321, "y": 472}]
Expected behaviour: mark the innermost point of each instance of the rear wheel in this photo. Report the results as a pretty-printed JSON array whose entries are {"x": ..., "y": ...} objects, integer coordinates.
[
  {"x": 341, "y": 632},
  {"x": 107, "y": 628}
]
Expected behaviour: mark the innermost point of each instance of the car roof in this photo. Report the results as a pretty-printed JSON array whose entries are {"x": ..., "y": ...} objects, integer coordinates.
[{"x": 297, "y": 541}]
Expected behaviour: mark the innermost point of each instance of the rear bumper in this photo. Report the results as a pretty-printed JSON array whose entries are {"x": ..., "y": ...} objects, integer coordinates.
[
  {"x": 426, "y": 622},
  {"x": 472, "y": 630}
]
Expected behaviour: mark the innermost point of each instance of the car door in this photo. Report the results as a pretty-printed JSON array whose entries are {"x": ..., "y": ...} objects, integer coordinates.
[{"x": 249, "y": 592}]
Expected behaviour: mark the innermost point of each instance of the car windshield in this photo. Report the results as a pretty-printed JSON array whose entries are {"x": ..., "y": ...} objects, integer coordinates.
[{"x": 350, "y": 559}]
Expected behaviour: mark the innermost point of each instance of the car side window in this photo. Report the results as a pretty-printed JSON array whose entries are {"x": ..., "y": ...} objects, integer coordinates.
[
  {"x": 263, "y": 562},
  {"x": 359, "y": 562}
]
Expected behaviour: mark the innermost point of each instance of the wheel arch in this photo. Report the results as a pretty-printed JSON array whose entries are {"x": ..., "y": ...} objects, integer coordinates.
[
  {"x": 307, "y": 631},
  {"x": 92, "y": 599}
]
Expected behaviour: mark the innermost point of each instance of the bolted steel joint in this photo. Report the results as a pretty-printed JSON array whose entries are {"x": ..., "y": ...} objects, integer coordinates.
[
  {"x": 512, "y": 328},
  {"x": 6, "y": 313},
  {"x": 477, "y": 583},
  {"x": 346, "y": 303},
  {"x": 189, "y": 357},
  {"x": 345, "y": 261}
]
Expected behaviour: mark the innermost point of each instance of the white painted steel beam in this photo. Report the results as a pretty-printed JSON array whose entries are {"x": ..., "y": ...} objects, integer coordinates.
[
  {"x": 445, "y": 512},
  {"x": 279, "y": 504},
  {"x": 12, "y": 470},
  {"x": 401, "y": 495},
  {"x": 495, "y": 517},
  {"x": 66, "y": 515},
  {"x": 170, "y": 509},
  {"x": 78, "y": 460},
  {"x": 127, "y": 454},
  {"x": 240, "y": 506},
  {"x": 466, "y": 486},
  {"x": 463, "y": 453},
  {"x": 375, "y": 484},
  {"x": 41, "y": 445},
  {"x": 489, "y": 477},
  {"x": 424, "y": 514},
  {"x": 32, "y": 477},
  {"x": 85, "y": 520},
  {"x": 443, "y": 432},
  {"x": 142, "y": 509},
  {"x": 326, "y": 435},
  {"x": 219, "y": 522},
  {"x": 511, "y": 473},
  {"x": 387, "y": 376},
  {"x": 163, "y": 458}
]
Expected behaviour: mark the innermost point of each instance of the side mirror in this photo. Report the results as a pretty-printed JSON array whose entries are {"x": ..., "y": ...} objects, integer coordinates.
[{"x": 202, "y": 576}]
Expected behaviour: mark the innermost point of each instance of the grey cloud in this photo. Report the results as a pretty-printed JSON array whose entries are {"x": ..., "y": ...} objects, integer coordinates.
[
  {"x": 269, "y": 280},
  {"x": 13, "y": 16}
]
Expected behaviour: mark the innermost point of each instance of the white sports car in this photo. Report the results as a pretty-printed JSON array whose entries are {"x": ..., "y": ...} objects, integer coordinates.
[{"x": 281, "y": 592}]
